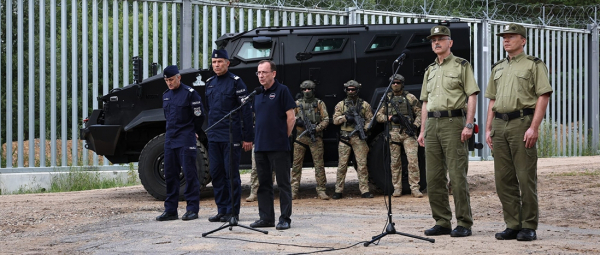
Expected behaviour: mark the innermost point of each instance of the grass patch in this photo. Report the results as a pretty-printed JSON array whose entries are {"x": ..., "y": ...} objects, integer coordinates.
[{"x": 584, "y": 173}]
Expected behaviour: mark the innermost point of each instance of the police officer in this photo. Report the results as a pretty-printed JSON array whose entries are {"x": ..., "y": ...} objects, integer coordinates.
[
  {"x": 406, "y": 104},
  {"x": 344, "y": 116},
  {"x": 316, "y": 113},
  {"x": 224, "y": 92},
  {"x": 184, "y": 116},
  {"x": 447, "y": 124},
  {"x": 519, "y": 91}
]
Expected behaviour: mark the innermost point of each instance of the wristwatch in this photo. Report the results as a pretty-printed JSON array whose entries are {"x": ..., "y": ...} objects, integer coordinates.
[{"x": 469, "y": 125}]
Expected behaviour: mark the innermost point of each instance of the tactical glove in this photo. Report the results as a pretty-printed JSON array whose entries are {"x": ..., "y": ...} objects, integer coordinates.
[
  {"x": 349, "y": 119},
  {"x": 396, "y": 119},
  {"x": 299, "y": 123}
]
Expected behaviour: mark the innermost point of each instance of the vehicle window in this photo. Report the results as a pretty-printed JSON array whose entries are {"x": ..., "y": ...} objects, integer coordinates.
[
  {"x": 383, "y": 42},
  {"x": 248, "y": 51},
  {"x": 418, "y": 40},
  {"x": 329, "y": 44}
]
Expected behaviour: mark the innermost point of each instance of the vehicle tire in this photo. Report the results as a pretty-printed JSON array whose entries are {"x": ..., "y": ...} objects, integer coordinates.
[
  {"x": 377, "y": 167},
  {"x": 151, "y": 168}
]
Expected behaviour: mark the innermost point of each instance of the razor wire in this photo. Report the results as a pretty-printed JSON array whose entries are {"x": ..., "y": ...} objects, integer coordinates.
[{"x": 538, "y": 14}]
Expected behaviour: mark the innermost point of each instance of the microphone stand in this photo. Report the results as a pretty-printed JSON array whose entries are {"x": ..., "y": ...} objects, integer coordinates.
[
  {"x": 233, "y": 221},
  {"x": 389, "y": 229}
]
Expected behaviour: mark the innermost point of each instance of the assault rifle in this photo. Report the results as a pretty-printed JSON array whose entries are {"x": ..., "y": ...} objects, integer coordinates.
[
  {"x": 404, "y": 121},
  {"x": 311, "y": 128},
  {"x": 359, "y": 125}
]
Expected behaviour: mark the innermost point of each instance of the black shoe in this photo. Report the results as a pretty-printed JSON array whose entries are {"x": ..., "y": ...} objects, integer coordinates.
[
  {"x": 216, "y": 218},
  {"x": 228, "y": 216},
  {"x": 189, "y": 215},
  {"x": 507, "y": 234},
  {"x": 167, "y": 216},
  {"x": 262, "y": 224},
  {"x": 337, "y": 195},
  {"x": 437, "y": 230},
  {"x": 526, "y": 234},
  {"x": 460, "y": 231},
  {"x": 366, "y": 195},
  {"x": 282, "y": 225}
]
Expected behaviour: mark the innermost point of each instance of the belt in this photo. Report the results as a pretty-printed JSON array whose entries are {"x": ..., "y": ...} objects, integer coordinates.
[
  {"x": 441, "y": 114},
  {"x": 515, "y": 114}
]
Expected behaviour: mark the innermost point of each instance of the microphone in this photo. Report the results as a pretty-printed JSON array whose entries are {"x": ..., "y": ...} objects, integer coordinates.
[
  {"x": 402, "y": 56},
  {"x": 257, "y": 90}
]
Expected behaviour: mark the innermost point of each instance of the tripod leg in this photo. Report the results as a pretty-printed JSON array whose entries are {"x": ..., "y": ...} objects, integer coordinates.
[
  {"x": 375, "y": 238},
  {"x": 214, "y": 230},
  {"x": 257, "y": 230},
  {"x": 417, "y": 237}
]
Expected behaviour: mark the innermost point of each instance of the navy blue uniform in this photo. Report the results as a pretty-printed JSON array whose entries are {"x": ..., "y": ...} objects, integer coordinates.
[
  {"x": 184, "y": 115},
  {"x": 223, "y": 94},
  {"x": 272, "y": 150}
]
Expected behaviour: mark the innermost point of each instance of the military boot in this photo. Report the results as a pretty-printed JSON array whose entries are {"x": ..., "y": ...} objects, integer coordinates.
[
  {"x": 397, "y": 192},
  {"x": 416, "y": 193},
  {"x": 252, "y": 196},
  {"x": 322, "y": 195}
]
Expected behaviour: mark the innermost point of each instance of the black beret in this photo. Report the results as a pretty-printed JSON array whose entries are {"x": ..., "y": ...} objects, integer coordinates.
[
  {"x": 220, "y": 54},
  {"x": 170, "y": 71}
]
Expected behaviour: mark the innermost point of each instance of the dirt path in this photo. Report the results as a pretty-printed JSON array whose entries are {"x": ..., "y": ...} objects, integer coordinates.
[{"x": 121, "y": 220}]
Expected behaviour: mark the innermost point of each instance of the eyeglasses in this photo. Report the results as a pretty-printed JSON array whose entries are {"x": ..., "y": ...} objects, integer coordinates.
[
  {"x": 306, "y": 89},
  {"x": 434, "y": 40},
  {"x": 398, "y": 82},
  {"x": 259, "y": 73},
  {"x": 349, "y": 89}
]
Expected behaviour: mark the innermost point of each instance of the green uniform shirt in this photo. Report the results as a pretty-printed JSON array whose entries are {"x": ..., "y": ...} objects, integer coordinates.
[
  {"x": 447, "y": 86},
  {"x": 517, "y": 84}
]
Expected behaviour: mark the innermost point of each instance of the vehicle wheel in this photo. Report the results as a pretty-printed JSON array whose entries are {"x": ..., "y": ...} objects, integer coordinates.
[
  {"x": 377, "y": 173},
  {"x": 151, "y": 168}
]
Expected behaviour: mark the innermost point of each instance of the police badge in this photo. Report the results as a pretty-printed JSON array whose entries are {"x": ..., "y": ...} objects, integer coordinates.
[{"x": 198, "y": 111}]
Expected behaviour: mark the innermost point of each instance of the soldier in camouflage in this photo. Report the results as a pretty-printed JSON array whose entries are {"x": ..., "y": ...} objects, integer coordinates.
[
  {"x": 343, "y": 116},
  {"x": 402, "y": 102},
  {"x": 314, "y": 109}
]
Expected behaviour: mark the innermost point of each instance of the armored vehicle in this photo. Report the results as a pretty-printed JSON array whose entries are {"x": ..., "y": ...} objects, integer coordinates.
[{"x": 130, "y": 125}]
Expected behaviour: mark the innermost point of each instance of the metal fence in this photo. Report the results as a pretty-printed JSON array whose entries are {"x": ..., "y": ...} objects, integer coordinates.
[{"x": 70, "y": 52}]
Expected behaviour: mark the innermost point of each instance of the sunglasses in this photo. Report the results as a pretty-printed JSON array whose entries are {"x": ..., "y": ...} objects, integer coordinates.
[
  {"x": 349, "y": 89},
  {"x": 398, "y": 82},
  {"x": 306, "y": 89}
]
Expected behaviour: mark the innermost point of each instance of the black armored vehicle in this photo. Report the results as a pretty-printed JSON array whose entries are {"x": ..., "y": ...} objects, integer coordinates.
[{"x": 130, "y": 125}]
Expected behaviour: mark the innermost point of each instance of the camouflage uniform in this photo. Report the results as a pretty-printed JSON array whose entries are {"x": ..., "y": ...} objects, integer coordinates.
[
  {"x": 360, "y": 147},
  {"x": 316, "y": 112},
  {"x": 401, "y": 102}
]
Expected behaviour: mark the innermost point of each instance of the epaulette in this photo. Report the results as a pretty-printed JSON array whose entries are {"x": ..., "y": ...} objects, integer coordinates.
[
  {"x": 191, "y": 89},
  {"x": 461, "y": 61},
  {"x": 430, "y": 65},
  {"x": 495, "y": 64},
  {"x": 235, "y": 77},
  {"x": 207, "y": 80},
  {"x": 534, "y": 59},
  {"x": 166, "y": 91}
]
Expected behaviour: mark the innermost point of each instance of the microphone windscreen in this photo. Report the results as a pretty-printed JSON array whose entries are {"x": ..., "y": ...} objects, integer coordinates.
[{"x": 259, "y": 89}]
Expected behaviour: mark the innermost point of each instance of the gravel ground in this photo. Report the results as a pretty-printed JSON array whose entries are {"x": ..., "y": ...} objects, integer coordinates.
[{"x": 121, "y": 220}]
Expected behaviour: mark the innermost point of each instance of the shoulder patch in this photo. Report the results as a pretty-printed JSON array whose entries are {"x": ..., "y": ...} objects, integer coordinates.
[
  {"x": 534, "y": 59},
  {"x": 236, "y": 77},
  {"x": 461, "y": 61},
  {"x": 191, "y": 89},
  {"x": 500, "y": 61}
]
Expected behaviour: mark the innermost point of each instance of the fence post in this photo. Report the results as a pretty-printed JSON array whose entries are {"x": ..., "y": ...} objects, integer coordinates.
[
  {"x": 186, "y": 35},
  {"x": 484, "y": 70},
  {"x": 593, "y": 86},
  {"x": 351, "y": 18}
]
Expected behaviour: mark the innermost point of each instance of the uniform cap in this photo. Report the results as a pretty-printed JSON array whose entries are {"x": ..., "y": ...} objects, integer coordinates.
[
  {"x": 170, "y": 71},
  {"x": 513, "y": 28},
  {"x": 397, "y": 77},
  {"x": 308, "y": 84},
  {"x": 439, "y": 30},
  {"x": 220, "y": 54},
  {"x": 352, "y": 83}
]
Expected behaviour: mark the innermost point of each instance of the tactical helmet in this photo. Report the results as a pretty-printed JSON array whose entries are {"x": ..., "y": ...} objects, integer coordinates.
[
  {"x": 352, "y": 83},
  {"x": 308, "y": 84},
  {"x": 397, "y": 77}
]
